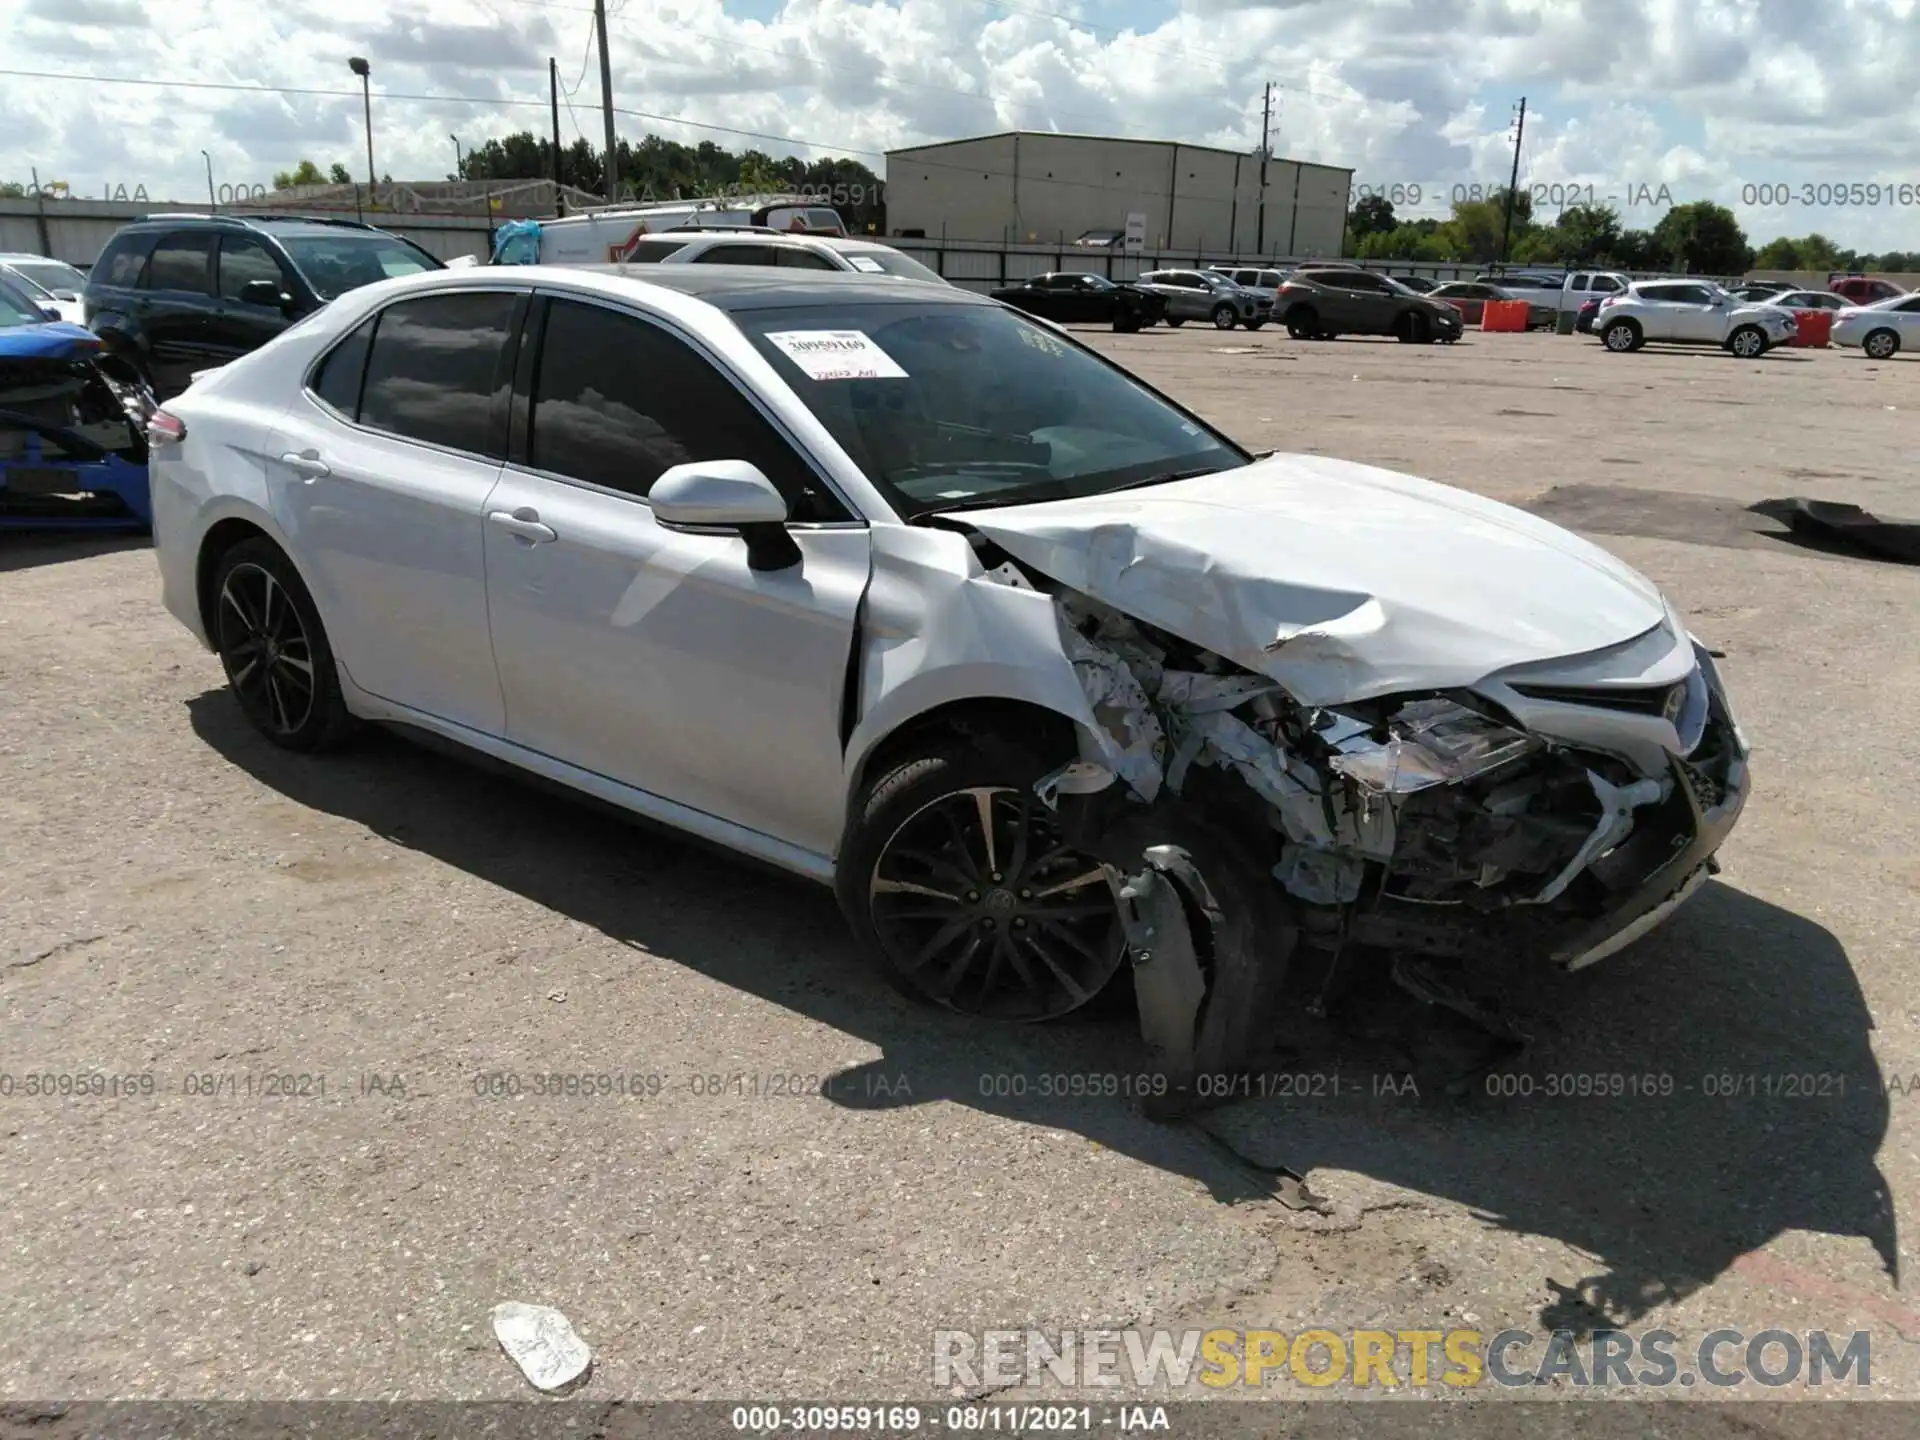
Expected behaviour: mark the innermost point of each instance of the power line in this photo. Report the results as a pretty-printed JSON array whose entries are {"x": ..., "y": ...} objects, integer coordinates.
[{"x": 503, "y": 102}]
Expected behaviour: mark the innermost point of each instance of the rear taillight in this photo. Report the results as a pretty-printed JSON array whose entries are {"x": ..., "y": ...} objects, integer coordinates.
[{"x": 165, "y": 429}]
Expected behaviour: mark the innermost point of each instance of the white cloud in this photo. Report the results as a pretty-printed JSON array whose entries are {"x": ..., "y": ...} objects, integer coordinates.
[{"x": 1704, "y": 96}]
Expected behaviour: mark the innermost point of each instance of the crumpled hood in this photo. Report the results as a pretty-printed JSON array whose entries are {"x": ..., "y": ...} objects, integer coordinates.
[
  {"x": 1340, "y": 581},
  {"x": 51, "y": 340}
]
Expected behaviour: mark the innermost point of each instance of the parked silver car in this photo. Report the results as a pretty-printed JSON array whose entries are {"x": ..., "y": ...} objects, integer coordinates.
[
  {"x": 1204, "y": 295},
  {"x": 890, "y": 586}
]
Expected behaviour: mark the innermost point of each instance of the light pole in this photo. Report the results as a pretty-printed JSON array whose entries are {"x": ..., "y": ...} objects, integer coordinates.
[
  {"x": 459, "y": 172},
  {"x": 210, "y": 200},
  {"x": 360, "y": 67}
]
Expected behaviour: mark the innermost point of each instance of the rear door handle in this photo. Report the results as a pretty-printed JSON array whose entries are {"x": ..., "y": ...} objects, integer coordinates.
[
  {"x": 308, "y": 465},
  {"x": 524, "y": 522}
]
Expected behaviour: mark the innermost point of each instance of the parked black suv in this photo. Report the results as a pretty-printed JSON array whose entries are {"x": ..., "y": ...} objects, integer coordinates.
[{"x": 173, "y": 294}]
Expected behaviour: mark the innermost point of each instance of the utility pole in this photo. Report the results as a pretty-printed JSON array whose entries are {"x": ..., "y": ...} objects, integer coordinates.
[
  {"x": 1513, "y": 182},
  {"x": 1266, "y": 121},
  {"x": 553, "y": 99},
  {"x": 606, "y": 98}
]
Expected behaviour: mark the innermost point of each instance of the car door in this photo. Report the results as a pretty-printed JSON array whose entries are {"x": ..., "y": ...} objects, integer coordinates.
[
  {"x": 387, "y": 458},
  {"x": 1700, "y": 317},
  {"x": 1090, "y": 301},
  {"x": 238, "y": 327},
  {"x": 1660, "y": 314},
  {"x": 1051, "y": 299},
  {"x": 656, "y": 656},
  {"x": 1370, "y": 304},
  {"x": 176, "y": 307}
]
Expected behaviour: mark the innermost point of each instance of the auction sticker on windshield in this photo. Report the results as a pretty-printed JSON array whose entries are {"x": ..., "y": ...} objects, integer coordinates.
[
  {"x": 837, "y": 354},
  {"x": 867, "y": 263}
]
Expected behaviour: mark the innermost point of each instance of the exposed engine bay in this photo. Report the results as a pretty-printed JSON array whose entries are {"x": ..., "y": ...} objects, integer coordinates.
[
  {"x": 73, "y": 439},
  {"x": 1256, "y": 845}
]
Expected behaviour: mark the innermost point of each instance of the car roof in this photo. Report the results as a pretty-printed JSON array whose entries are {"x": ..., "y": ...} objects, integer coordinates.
[
  {"x": 277, "y": 225},
  {"x": 726, "y": 287}
]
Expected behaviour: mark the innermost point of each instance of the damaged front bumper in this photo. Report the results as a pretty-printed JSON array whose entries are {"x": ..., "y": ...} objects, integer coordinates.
[{"x": 1243, "y": 833}]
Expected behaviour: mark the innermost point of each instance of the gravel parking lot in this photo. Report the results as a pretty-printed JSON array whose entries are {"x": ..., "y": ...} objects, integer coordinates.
[{"x": 315, "y": 981}]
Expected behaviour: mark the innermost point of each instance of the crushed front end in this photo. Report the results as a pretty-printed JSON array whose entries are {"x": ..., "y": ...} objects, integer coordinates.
[
  {"x": 1245, "y": 834},
  {"x": 73, "y": 443}
]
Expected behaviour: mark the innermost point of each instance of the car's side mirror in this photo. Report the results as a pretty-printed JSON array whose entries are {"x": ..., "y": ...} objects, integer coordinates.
[
  {"x": 264, "y": 292},
  {"x": 728, "y": 495}
]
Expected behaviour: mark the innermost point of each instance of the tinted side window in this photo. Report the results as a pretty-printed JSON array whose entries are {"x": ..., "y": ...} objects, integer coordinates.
[
  {"x": 243, "y": 258},
  {"x": 737, "y": 255},
  {"x": 121, "y": 262},
  {"x": 1606, "y": 284},
  {"x": 798, "y": 259},
  {"x": 337, "y": 380},
  {"x": 1909, "y": 307},
  {"x": 617, "y": 400},
  {"x": 181, "y": 262},
  {"x": 436, "y": 366}
]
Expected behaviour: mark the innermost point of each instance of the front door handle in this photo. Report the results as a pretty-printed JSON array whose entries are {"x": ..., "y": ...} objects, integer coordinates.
[
  {"x": 307, "y": 464},
  {"x": 524, "y": 522}
]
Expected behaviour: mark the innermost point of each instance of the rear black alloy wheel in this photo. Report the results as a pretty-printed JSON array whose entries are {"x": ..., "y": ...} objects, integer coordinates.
[
  {"x": 1303, "y": 323},
  {"x": 274, "y": 649},
  {"x": 266, "y": 651},
  {"x": 980, "y": 906}
]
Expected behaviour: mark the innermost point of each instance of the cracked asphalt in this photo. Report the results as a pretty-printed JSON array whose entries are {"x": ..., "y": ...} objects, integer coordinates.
[{"x": 320, "y": 996}]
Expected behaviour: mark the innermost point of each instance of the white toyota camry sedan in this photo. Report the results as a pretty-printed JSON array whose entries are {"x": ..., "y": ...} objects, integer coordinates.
[{"x": 891, "y": 586}]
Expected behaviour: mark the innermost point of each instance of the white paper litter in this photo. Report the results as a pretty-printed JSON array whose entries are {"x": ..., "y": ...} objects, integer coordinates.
[
  {"x": 836, "y": 354},
  {"x": 539, "y": 1340}
]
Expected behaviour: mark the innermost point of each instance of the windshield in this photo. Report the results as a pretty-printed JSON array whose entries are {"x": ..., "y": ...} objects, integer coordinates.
[
  {"x": 16, "y": 307},
  {"x": 943, "y": 405},
  {"x": 52, "y": 276},
  {"x": 893, "y": 263},
  {"x": 335, "y": 264}
]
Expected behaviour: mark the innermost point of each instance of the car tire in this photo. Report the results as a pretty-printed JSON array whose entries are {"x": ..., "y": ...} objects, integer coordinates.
[
  {"x": 1749, "y": 342},
  {"x": 1255, "y": 324},
  {"x": 1622, "y": 337},
  {"x": 1125, "y": 324},
  {"x": 1413, "y": 329},
  {"x": 1303, "y": 322},
  {"x": 1881, "y": 345},
  {"x": 1225, "y": 317},
  {"x": 274, "y": 649},
  {"x": 917, "y": 835},
  {"x": 1174, "y": 322}
]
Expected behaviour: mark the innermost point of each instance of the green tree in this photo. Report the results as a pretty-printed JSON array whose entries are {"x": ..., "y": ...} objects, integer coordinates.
[
  {"x": 305, "y": 173},
  {"x": 1778, "y": 254},
  {"x": 338, "y": 174},
  {"x": 1702, "y": 238},
  {"x": 12, "y": 190},
  {"x": 1587, "y": 234},
  {"x": 1371, "y": 215},
  {"x": 759, "y": 175}
]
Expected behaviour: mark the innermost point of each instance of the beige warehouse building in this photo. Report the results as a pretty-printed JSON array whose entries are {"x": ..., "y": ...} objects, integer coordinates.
[{"x": 1048, "y": 188}]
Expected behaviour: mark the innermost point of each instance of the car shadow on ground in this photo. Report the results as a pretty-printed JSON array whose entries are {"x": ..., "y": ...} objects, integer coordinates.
[
  {"x": 1747, "y": 1101},
  {"x": 25, "y": 549}
]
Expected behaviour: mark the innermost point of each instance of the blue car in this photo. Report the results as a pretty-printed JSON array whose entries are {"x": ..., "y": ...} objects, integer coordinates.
[{"x": 73, "y": 426}]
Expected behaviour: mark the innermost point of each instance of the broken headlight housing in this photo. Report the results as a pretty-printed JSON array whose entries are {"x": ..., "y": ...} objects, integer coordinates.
[{"x": 1431, "y": 742}]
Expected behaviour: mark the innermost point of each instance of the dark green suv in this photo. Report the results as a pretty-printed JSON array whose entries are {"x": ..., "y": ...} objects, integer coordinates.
[{"x": 173, "y": 294}]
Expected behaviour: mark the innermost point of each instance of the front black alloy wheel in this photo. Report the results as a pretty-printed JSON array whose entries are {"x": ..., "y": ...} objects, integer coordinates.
[
  {"x": 274, "y": 649},
  {"x": 960, "y": 883}
]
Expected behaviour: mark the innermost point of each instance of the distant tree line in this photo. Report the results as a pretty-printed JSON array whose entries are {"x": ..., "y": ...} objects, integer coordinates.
[
  {"x": 663, "y": 170},
  {"x": 1701, "y": 238}
]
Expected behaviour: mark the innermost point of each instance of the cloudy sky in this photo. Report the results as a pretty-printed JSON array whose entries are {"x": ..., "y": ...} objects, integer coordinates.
[{"x": 1709, "y": 98}]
